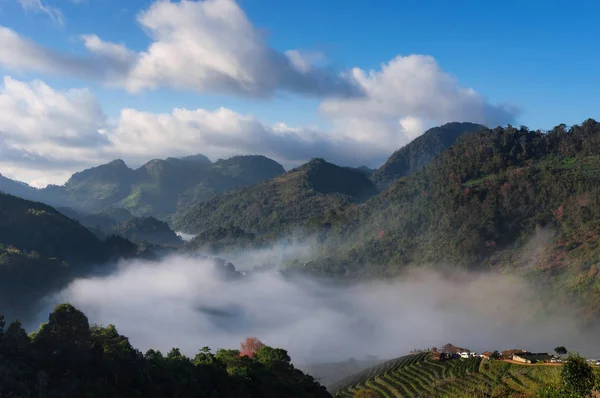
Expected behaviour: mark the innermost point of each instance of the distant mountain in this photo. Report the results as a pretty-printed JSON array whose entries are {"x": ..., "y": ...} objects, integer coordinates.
[
  {"x": 148, "y": 229},
  {"x": 17, "y": 188},
  {"x": 157, "y": 188},
  {"x": 120, "y": 222},
  {"x": 421, "y": 151},
  {"x": 282, "y": 202},
  {"x": 199, "y": 158}
]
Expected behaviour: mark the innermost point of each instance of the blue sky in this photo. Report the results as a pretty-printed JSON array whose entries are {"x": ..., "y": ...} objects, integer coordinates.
[{"x": 538, "y": 56}]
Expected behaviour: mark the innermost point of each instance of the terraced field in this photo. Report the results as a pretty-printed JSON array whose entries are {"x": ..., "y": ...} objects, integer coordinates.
[{"x": 419, "y": 376}]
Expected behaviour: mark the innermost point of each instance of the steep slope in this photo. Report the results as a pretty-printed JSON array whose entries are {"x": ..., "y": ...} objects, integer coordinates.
[
  {"x": 25, "y": 191},
  {"x": 42, "y": 250},
  {"x": 157, "y": 188},
  {"x": 280, "y": 203},
  {"x": 99, "y": 187},
  {"x": 32, "y": 226},
  {"x": 418, "y": 153},
  {"x": 478, "y": 205},
  {"x": 17, "y": 188},
  {"x": 165, "y": 185},
  {"x": 148, "y": 229},
  {"x": 419, "y": 375}
]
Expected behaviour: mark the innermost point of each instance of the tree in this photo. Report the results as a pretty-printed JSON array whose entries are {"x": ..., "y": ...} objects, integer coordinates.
[
  {"x": 495, "y": 355},
  {"x": 578, "y": 376},
  {"x": 561, "y": 350},
  {"x": 250, "y": 347}
]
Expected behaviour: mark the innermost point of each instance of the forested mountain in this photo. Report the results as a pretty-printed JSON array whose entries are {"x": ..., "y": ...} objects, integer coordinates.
[
  {"x": 155, "y": 189},
  {"x": 147, "y": 229},
  {"x": 41, "y": 250},
  {"x": 288, "y": 200},
  {"x": 68, "y": 357},
  {"x": 18, "y": 188},
  {"x": 478, "y": 204},
  {"x": 421, "y": 151},
  {"x": 120, "y": 222}
]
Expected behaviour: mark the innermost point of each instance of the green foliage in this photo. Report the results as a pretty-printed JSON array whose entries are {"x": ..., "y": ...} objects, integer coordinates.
[
  {"x": 31, "y": 226},
  {"x": 578, "y": 376},
  {"x": 561, "y": 350},
  {"x": 68, "y": 358},
  {"x": 149, "y": 229},
  {"x": 418, "y": 153},
  {"x": 42, "y": 251},
  {"x": 280, "y": 204},
  {"x": 420, "y": 375},
  {"x": 478, "y": 205}
]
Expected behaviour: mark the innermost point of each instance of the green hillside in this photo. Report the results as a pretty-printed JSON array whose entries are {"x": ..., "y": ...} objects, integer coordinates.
[
  {"x": 418, "y": 153},
  {"x": 42, "y": 250},
  {"x": 147, "y": 229},
  {"x": 35, "y": 227},
  {"x": 157, "y": 188},
  {"x": 68, "y": 357},
  {"x": 477, "y": 206},
  {"x": 418, "y": 375},
  {"x": 289, "y": 200}
]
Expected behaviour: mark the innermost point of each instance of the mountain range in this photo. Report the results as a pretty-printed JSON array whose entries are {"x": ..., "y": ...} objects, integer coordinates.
[
  {"x": 157, "y": 188},
  {"x": 484, "y": 199}
]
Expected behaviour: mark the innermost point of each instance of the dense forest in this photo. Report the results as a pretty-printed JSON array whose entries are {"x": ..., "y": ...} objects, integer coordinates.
[
  {"x": 419, "y": 152},
  {"x": 68, "y": 357},
  {"x": 271, "y": 207},
  {"x": 41, "y": 250},
  {"x": 157, "y": 188},
  {"x": 478, "y": 205}
]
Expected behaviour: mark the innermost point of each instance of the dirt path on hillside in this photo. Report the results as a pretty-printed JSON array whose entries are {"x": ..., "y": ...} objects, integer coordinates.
[{"x": 533, "y": 364}]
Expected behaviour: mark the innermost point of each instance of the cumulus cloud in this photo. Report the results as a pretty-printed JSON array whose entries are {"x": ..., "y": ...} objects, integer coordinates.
[
  {"x": 206, "y": 46},
  {"x": 183, "y": 302},
  {"x": 223, "y": 133},
  {"x": 407, "y": 94},
  {"x": 39, "y": 6},
  {"x": 47, "y": 132}
]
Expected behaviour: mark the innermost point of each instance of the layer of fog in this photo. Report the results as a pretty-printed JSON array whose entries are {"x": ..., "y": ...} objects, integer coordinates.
[
  {"x": 185, "y": 302},
  {"x": 185, "y": 237}
]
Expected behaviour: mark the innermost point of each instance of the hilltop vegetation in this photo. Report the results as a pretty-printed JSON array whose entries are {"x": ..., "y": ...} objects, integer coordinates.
[
  {"x": 478, "y": 205},
  {"x": 418, "y": 153},
  {"x": 67, "y": 357},
  {"x": 42, "y": 250},
  {"x": 418, "y": 375},
  {"x": 157, "y": 188},
  {"x": 273, "y": 206}
]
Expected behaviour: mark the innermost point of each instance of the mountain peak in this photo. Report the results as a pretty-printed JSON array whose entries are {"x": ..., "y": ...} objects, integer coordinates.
[
  {"x": 416, "y": 154},
  {"x": 198, "y": 158}
]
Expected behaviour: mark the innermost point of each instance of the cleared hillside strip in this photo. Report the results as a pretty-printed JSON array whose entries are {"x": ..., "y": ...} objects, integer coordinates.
[{"x": 418, "y": 375}]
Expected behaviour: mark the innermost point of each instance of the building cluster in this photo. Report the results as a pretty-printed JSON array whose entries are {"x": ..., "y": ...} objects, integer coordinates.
[{"x": 450, "y": 351}]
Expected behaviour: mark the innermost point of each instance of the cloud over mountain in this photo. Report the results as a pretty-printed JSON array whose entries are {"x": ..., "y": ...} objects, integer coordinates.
[{"x": 212, "y": 47}]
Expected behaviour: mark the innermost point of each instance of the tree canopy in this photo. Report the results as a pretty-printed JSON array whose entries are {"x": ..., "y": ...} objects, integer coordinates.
[{"x": 67, "y": 357}]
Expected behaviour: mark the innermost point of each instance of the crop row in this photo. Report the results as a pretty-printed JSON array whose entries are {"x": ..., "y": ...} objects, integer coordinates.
[{"x": 419, "y": 376}]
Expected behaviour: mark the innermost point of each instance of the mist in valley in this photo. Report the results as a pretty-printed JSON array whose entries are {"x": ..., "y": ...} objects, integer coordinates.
[{"x": 186, "y": 302}]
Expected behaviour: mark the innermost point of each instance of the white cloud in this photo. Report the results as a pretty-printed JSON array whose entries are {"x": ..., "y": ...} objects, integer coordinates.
[
  {"x": 408, "y": 93},
  {"x": 108, "y": 62},
  {"x": 183, "y": 302},
  {"x": 223, "y": 133},
  {"x": 204, "y": 46},
  {"x": 45, "y": 132},
  {"x": 39, "y": 6}
]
